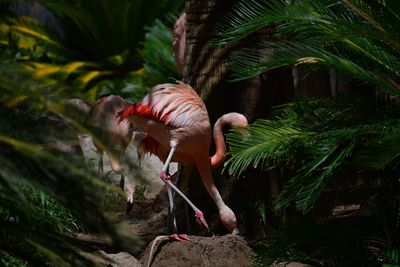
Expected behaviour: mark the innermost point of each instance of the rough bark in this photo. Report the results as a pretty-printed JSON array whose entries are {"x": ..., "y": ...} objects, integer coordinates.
[{"x": 206, "y": 70}]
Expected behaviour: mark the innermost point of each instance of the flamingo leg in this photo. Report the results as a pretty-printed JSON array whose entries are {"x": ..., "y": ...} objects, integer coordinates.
[
  {"x": 171, "y": 208},
  {"x": 165, "y": 176},
  {"x": 227, "y": 216},
  {"x": 167, "y": 180}
]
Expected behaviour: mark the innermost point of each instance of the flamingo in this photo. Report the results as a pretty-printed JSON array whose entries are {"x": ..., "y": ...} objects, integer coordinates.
[
  {"x": 104, "y": 114},
  {"x": 178, "y": 128},
  {"x": 178, "y": 42}
]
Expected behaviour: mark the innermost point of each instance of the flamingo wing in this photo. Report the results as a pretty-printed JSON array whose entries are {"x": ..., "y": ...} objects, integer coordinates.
[{"x": 175, "y": 105}]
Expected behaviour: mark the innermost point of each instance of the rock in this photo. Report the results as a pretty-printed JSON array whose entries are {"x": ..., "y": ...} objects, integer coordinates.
[
  {"x": 121, "y": 259},
  {"x": 228, "y": 250}
]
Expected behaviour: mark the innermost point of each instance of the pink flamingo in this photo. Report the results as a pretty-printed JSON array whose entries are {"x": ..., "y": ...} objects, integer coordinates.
[
  {"x": 178, "y": 41},
  {"x": 178, "y": 129},
  {"x": 104, "y": 115}
]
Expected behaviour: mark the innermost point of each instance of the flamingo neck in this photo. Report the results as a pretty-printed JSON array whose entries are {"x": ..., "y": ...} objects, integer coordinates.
[{"x": 233, "y": 120}]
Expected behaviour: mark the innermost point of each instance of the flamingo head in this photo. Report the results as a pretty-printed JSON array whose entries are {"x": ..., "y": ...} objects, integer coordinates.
[
  {"x": 129, "y": 191},
  {"x": 228, "y": 219},
  {"x": 200, "y": 220}
]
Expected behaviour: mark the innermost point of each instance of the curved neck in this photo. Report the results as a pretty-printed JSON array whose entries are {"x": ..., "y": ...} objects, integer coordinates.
[
  {"x": 233, "y": 120},
  {"x": 218, "y": 158}
]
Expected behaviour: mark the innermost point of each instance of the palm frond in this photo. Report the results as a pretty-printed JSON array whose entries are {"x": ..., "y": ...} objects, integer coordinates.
[
  {"x": 250, "y": 16},
  {"x": 272, "y": 55},
  {"x": 253, "y": 149},
  {"x": 98, "y": 30},
  {"x": 157, "y": 54},
  {"x": 318, "y": 139},
  {"x": 380, "y": 15},
  {"x": 99, "y": 50},
  {"x": 32, "y": 39},
  {"x": 354, "y": 37}
]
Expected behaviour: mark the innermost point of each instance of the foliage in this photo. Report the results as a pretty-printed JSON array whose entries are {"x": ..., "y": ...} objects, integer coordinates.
[
  {"x": 9, "y": 261},
  {"x": 52, "y": 214},
  {"x": 44, "y": 191},
  {"x": 98, "y": 52},
  {"x": 104, "y": 30},
  {"x": 356, "y": 37},
  {"x": 159, "y": 64},
  {"x": 319, "y": 139},
  {"x": 369, "y": 239},
  {"x": 346, "y": 242}
]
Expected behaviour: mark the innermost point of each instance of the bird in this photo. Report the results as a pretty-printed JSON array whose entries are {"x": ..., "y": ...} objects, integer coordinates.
[
  {"x": 103, "y": 114},
  {"x": 178, "y": 41},
  {"x": 177, "y": 127}
]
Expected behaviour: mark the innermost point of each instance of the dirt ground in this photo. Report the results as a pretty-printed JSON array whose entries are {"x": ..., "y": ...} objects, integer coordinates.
[{"x": 228, "y": 250}]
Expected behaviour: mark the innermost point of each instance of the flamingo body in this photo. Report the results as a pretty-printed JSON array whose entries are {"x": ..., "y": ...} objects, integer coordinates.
[
  {"x": 103, "y": 114},
  {"x": 177, "y": 125},
  {"x": 172, "y": 115}
]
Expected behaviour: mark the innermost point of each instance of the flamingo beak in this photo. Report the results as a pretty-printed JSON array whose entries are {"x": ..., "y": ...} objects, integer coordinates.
[
  {"x": 201, "y": 221},
  {"x": 129, "y": 206},
  {"x": 129, "y": 190}
]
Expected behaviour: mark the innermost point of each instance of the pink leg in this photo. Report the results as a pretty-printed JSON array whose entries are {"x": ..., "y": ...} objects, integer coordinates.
[
  {"x": 167, "y": 180},
  {"x": 227, "y": 216}
]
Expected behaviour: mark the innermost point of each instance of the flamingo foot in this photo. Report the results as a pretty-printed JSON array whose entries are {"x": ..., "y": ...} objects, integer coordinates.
[
  {"x": 200, "y": 220},
  {"x": 179, "y": 237},
  {"x": 165, "y": 176},
  {"x": 129, "y": 206},
  {"x": 129, "y": 190}
]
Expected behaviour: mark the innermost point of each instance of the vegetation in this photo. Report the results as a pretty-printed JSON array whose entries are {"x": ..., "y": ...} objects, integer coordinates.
[
  {"x": 97, "y": 51},
  {"x": 46, "y": 190},
  {"x": 319, "y": 141},
  {"x": 358, "y": 38},
  {"x": 124, "y": 47}
]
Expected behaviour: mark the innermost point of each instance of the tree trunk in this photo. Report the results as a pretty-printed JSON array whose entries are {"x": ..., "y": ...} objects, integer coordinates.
[{"x": 206, "y": 70}]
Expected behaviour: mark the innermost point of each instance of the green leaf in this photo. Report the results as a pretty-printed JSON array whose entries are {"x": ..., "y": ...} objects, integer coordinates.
[{"x": 358, "y": 38}]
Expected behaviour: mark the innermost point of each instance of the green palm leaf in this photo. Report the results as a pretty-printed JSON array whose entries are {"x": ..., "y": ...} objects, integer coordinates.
[
  {"x": 157, "y": 54},
  {"x": 98, "y": 30},
  {"x": 99, "y": 50},
  {"x": 318, "y": 139},
  {"x": 358, "y": 38}
]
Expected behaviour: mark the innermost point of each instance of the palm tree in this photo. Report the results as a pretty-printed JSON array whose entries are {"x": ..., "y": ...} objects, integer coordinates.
[
  {"x": 98, "y": 51},
  {"x": 344, "y": 38},
  {"x": 357, "y": 38},
  {"x": 319, "y": 141}
]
